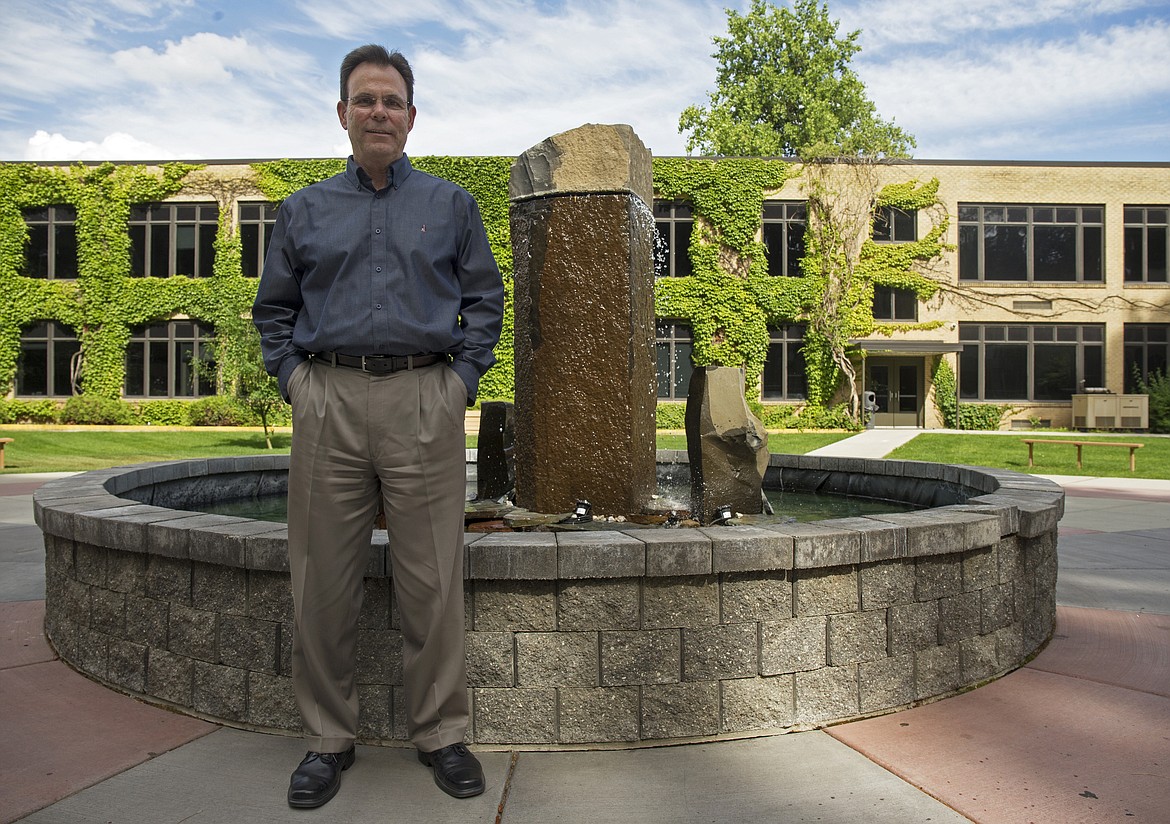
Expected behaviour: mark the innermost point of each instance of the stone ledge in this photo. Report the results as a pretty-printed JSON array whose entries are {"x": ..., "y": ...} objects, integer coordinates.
[
  {"x": 82, "y": 508},
  {"x": 579, "y": 638}
]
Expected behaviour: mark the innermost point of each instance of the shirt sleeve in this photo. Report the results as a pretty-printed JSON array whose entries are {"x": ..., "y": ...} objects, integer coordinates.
[
  {"x": 481, "y": 307},
  {"x": 278, "y": 303}
]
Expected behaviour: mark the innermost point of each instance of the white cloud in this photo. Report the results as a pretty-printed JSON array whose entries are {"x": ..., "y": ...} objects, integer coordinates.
[
  {"x": 901, "y": 23},
  {"x": 117, "y": 146},
  {"x": 497, "y": 76},
  {"x": 612, "y": 62},
  {"x": 1004, "y": 86}
]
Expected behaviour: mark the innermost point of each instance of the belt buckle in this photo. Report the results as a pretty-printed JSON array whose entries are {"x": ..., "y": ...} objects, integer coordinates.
[{"x": 381, "y": 364}]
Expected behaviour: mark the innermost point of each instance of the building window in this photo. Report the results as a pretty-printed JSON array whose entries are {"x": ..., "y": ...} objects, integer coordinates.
[
  {"x": 894, "y": 304},
  {"x": 894, "y": 225},
  {"x": 48, "y": 361},
  {"x": 673, "y": 346},
  {"x": 1031, "y": 243},
  {"x": 161, "y": 358},
  {"x": 784, "y": 224},
  {"x": 674, "y": 222},
  {"x": 256, "y": 222},
  {"x": 51, "y": 251},
  {"x": 1145, "y": 244},
  {"x": 1042, "y": 362},
  {"x": 173, "y": 239},
  {"x": 785, "y": 378},
  {"x": 1147, "y": 352}
]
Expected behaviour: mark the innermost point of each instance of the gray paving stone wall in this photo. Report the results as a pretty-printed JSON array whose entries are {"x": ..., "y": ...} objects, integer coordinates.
[{"x": 575, "y": 638}]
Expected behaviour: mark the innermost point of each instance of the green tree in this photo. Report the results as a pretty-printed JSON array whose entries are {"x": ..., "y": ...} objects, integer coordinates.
[
  {"x": 784, "y": 88},
  {"x": 237, "y": 349}
]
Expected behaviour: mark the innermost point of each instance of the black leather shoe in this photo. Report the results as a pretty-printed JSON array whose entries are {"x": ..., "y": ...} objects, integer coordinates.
[
  {"x": 457, "y": 771},
  {"x": 318, "y": 778}
]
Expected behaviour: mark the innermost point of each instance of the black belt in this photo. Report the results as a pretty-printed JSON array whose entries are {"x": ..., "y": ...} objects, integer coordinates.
[{"x": 378, "y": 364}]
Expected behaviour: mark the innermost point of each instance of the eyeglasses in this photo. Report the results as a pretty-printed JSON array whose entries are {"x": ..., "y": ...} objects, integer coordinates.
[{"x": 367, "y": 102}]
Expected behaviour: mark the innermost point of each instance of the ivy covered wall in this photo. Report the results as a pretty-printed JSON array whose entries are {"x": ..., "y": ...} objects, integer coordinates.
[{"x": 729, "y": 301}]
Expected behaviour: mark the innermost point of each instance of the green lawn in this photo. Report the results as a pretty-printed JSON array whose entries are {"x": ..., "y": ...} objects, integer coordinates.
[
  {"x": 1009, "y": 452},
  {"x": 60, "y": 450},
  {"x": 77, "y": 449},
  {"x": 49, "y": 450},
  {"x": 794, "y": 443}
]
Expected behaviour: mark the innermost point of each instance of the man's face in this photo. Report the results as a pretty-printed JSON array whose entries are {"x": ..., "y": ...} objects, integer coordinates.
[{"x": 377, "y": 132}]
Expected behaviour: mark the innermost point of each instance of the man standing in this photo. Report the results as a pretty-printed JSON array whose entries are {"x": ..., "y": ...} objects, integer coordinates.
[{"x": 378, "y": 309}]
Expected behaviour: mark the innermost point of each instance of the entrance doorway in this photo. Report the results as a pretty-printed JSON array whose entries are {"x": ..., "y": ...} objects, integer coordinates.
[{"x": 897, "y": 386}]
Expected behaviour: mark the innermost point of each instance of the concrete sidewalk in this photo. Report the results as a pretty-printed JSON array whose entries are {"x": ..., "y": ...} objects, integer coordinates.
[{"x": 1082, "y": 733}]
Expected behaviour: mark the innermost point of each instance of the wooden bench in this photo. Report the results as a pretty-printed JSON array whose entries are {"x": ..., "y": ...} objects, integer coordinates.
[
  {"x": 1133, "y": 448},
  {"x": 3, "y": 443}
]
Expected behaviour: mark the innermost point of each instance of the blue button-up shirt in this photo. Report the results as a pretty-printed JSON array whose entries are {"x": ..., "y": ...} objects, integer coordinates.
[{"x": 403, "y": 270}]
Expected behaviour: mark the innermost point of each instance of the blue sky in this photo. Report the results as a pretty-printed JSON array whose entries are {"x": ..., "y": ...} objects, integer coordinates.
[{"x": 256, "y": 79}]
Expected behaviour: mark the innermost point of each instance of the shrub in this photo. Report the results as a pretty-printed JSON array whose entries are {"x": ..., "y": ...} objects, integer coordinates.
[
  {"x": 164, "y": 413},
  {"x": 809, "y": 416},
  {"x": 94, "y": 409},
  {"x": 219, "y": 410},
  {"x": 19, "y": 411},
  {"x": 1157, "y": 386},
  {"x": 944, "y": 394},
  {"x": 671, "y": 416},
  {"x": 982, "y": 416}
]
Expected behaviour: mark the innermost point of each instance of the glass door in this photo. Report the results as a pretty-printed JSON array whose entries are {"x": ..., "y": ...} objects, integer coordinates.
[{"x": 897, "y": 387}]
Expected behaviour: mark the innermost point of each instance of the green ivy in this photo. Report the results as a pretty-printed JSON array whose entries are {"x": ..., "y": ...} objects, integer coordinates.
[
  {"x": 945, "y": 394},
  {"x": 103, "y": 302},
  {"x": 486, "y": 179},
  {"x": 729, "y": 301},
  {"x": 955, "y": 415}
]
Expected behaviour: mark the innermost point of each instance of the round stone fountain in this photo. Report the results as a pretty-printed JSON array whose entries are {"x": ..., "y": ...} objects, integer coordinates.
[
  {"x": 597, "y": 638},
  {"x": 576, "y": 638}
]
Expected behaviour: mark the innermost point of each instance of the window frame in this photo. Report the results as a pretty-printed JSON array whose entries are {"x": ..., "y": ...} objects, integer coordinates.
[
  {"x": 1138, "y": 272},
  {"x": 670, "y": 335},
  {"x": 787, "y": 341},
  {"x": 674, "y": 221},
  {"x": 1138, "y": 349},
  {"x": 152, "y": 224},
  {"x": 59, "y": 228},
  {"x": 893, "y": 298},
  {"x": 178, "y": 375},
  {"x": 258, "y": 215},
  {"x": 977, "y": 338},
  {"x": 55, "y": 336},
  {"x": 902, "y": 225},
  {"x": 1028, "y": 223},
  {"x": 791, "y": 216}
]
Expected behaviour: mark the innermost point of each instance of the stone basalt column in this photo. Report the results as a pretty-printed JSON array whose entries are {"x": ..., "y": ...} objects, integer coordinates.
[
  {"x": 582, "y": 242},
  {"x": 727, "y": 445}
]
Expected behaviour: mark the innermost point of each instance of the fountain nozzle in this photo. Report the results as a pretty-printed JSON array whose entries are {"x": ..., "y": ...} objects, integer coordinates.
[
  {"x": 582, "y": 513},
  {"x": 723, "y": 515}
]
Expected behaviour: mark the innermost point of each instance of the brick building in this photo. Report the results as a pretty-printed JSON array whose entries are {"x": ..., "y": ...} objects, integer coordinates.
[{"x": 1054, "y": 281}]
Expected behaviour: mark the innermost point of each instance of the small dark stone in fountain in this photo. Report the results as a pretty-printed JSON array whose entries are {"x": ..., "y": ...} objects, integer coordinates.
[
  {"x": 523, "y": 520},
  {"x": 485, "y": 510},
  {"x": 495, "y": 462}
]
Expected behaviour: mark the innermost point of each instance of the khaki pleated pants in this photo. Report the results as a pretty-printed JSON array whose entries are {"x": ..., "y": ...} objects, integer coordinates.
[{"x": 357, "y": 437}]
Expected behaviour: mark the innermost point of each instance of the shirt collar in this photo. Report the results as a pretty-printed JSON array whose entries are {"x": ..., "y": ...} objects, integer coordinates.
[{"x": 399, "y": 170}]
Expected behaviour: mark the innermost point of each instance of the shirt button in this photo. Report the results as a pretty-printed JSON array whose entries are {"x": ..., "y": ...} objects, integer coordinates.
[
  {"x": 377, "y": 306},
  {"x": 377, "y": 268},
  {"x": 377, "y": 231}
]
